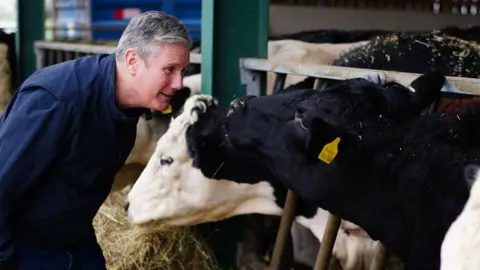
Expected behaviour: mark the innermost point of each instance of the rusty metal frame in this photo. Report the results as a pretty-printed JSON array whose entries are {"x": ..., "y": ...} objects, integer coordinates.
[
  {"x": 63, "y": 51},
  {"x": 253, "y": 68},
  {"x": 259, "y": 65}
]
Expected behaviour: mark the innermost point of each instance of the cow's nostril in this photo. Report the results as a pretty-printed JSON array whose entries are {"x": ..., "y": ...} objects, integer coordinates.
[{"x": 125, "y": 206}]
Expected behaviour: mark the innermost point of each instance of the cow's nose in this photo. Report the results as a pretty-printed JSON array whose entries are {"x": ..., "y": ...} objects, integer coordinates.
[{"x": 125, "y": 206}]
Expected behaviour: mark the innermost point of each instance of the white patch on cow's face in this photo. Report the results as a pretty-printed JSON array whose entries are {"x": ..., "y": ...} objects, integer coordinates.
[{"x": 171, "y": 191}]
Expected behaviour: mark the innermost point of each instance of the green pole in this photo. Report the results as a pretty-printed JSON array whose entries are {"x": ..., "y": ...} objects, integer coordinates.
[
  {"x": 231, "y": 29},
  {"x": 30, "y": 27}
]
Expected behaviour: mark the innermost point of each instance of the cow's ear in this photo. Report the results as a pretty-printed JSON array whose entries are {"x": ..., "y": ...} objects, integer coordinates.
[
  {"x": 427, "y": 88},
  {"x": 179, "y": 99},
  {"x": 470, "y": 173},
  {"x": 325, "y": 142}
]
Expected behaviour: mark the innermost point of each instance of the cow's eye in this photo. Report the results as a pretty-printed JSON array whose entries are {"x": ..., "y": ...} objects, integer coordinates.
[{"x": 165, "y": 160}]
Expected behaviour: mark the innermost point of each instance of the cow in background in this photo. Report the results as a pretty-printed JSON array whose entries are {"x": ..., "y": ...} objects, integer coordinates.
[{"x": 461, "y": 245}]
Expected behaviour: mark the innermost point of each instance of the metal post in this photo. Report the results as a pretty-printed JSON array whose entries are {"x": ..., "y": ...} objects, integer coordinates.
[
  {"x": 231, "y": 30},
  {"x": 327, "y": 243},
  {"x": 31, "y": 20},
  {"x": 284, "y": 229}
]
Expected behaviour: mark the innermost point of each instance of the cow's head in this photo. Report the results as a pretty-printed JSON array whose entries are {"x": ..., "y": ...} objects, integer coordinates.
[
  {"x": 283, "y": 128},
  {"x": 172, "y": 189},
  {"x": 354, "y": 104}
]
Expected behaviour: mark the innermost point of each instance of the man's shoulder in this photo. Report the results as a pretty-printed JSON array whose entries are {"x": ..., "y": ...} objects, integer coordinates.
[{"x": 69, "y": 81}]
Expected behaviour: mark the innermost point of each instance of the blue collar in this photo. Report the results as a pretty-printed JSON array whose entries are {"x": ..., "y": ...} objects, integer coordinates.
[{"x": 107, "y": 80}]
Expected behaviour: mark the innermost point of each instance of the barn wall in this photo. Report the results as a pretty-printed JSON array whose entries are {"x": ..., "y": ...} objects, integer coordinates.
[{"x": 288, "y": 19}]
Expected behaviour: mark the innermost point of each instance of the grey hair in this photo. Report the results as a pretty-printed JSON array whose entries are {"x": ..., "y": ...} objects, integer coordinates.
[{"x": 149, "y": 29}]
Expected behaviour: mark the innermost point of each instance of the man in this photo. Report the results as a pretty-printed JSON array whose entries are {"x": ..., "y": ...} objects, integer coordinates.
[{"x": 65, "y": 134}]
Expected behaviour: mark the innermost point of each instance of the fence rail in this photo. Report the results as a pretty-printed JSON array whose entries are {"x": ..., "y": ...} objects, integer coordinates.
[
  {"x": 252, "y": 67},
  {"x": 53, "y": 52}
]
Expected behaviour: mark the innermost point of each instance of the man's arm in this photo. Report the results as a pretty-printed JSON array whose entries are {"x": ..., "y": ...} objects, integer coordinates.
[{"x": 31, "y": 134}]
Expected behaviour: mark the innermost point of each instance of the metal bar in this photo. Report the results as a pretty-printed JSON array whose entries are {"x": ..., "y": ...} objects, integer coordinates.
[
  {"x": 31, "y": 21},
  {"x": 327, "y": 243},
  {"x": 284, "y": 229},
  {"x": 66, "y": 51},
  {"x": 468, "y": 85},
  {"x": 318, "y": 82},
  {"x": 207, "y": 45},
  {"x": 279, "y": 82},
  {"x": 254, "y": 81},
  {"x": 231, "y": 30},
  {"x": 380, "y": 257}
]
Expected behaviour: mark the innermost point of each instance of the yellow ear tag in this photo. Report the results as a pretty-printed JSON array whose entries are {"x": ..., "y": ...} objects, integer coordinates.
[
  {"x": 329, "y": 151},
  {"x": 167, "y": 110}
]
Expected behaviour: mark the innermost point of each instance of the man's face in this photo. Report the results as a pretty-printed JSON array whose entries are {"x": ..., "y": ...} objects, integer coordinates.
[{"x": 156, "y": 78}]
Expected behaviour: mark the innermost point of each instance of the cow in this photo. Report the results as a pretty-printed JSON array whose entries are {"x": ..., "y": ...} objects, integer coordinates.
[
  {"x": 193, "y": 177},
  {"x": 437, "y": 50},
  {"x": 287, "y": 51},
  {"x": 400, "y": 182},
  {"x": 461, "y": 244}
]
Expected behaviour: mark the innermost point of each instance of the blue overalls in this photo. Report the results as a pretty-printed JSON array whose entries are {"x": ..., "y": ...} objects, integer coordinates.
[{"x": 62, "y": 140}]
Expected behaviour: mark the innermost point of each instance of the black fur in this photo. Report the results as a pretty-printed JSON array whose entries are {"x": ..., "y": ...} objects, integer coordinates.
[
  {"x": 214, "y": 156},
  {"x": 401, "y": 179},
  {"x": 177, "y": 102},
  {"x": 432, "y": 51}
]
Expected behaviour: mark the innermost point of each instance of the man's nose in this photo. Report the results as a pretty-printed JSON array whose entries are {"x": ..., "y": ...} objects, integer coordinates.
[{"x": 177, "y": 83}]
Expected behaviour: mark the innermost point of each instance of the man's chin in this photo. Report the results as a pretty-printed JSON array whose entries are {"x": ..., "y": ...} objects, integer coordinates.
[{"x": 162, "y": 107}]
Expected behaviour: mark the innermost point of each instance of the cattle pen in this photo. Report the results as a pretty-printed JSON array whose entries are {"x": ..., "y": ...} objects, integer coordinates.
[
  {"x": 252, "y": 73},
  {"x": 234, "y": 59}
]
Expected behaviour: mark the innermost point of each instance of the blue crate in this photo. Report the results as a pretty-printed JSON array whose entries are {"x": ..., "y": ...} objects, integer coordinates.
[{"x": 108, "y": 18}]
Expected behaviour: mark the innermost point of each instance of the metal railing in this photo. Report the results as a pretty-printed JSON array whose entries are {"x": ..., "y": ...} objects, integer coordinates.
[{"x": 53, "y": 52}]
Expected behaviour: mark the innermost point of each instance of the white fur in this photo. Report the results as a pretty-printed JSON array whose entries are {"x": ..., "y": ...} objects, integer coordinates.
[
  {"x": 179, "y": 194},
  {"x": 287, "y": 51},
  {"x": 461, "y": 245}
]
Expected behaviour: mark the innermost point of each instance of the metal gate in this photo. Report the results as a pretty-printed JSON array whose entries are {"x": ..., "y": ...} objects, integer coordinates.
[{"x": 52, "y": 52}]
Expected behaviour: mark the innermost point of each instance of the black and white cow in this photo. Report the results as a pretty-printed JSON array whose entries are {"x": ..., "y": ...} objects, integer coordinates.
[
  {"x": 194, "y": 176},
  {"x": 402, "y": 183},
  {"x": 461, "y": 244}
]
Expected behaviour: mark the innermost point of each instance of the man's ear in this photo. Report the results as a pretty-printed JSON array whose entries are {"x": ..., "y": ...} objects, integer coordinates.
[{"x": 325, "y": 141}]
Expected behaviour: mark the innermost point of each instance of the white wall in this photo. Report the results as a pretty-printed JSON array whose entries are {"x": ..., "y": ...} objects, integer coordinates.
[{"x": 288, "y": 19}]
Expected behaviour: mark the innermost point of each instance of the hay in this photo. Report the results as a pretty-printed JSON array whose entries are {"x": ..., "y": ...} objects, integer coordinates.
[
  {"x": 5, "y": 78},
  {"x": 128, "y": 247}
]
